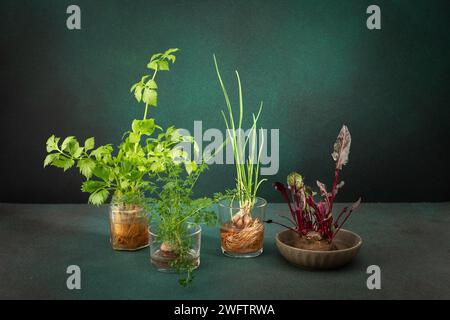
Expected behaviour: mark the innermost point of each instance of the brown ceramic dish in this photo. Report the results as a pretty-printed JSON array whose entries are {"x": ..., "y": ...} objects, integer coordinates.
[{"x": 346, "y": 242}]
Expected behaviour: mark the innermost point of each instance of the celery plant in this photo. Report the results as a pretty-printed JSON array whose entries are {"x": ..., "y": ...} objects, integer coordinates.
[{"x": 128, "y": 172}]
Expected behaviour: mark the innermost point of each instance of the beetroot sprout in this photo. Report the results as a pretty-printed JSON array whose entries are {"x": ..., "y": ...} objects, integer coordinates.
[{"x": 310, "y": 217}]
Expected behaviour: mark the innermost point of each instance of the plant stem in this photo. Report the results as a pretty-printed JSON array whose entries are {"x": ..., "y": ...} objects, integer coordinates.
[
  {"x": 333, "y": 191},
  {"x": 146, "y": 105},
  {"x": 145, "y": 113},
  {"x": 285, "y": 226}
]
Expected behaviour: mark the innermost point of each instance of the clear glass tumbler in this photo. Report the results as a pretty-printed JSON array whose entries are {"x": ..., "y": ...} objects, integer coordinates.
[
  {"x": 164, "y": 253},
  {"x": 242, "y": 228},
  {"x": 128, "y": 227}
]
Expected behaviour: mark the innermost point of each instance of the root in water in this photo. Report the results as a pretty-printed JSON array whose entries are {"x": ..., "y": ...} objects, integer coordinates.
[
  {"x": 163, "y": 259},
  {"x": 129, "y": 231},
  {"x": 242, "y": 235}
]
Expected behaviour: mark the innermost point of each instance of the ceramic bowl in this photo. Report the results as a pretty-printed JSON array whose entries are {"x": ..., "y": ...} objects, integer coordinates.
[{"x": 347, "y": 243}]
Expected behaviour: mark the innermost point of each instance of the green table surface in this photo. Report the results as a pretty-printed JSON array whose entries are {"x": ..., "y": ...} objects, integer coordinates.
[{"x": 409, "y": 242}]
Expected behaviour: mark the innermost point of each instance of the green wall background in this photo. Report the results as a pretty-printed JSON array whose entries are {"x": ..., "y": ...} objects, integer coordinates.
[{"x": 313, "y": 63}]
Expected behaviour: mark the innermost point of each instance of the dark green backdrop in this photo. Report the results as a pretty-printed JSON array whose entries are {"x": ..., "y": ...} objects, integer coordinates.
[{"x": 314, "y": 63}]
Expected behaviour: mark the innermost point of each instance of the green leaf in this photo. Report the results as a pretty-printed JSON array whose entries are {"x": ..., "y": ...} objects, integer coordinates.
[
  {"x": 126, "y": 166},
  {"x": 135, "y": 125},
  {"x": 134, "y": 137},
  {"x": 71, "y": 145},
  {"x": 156, "y": 55},
  {"x": 99, "y": 197},
  {"x": 86, "y": 166},
  {"x": 151, "y": 84},
  {"x": 102, "y": 151},
  {"x": 188, "y": 139},
  {"x": 138, "y": 93},
  {"x": 176, "y": 136},
  {"x": 101, "y": 172},
  {"x": 196, "y": 148},
  {"x": 67, "y": 141},
  {"x": 150, "y": 97},
  {"x": 92, "y": 186},
  {"x": 134, "y": 87},
  {"x": 146, "y": 96},
  {"x": 159, "y": 148},
  {"x": 89, "y": 144},
  {"x": 171, "y": 58},
  {"x": 147, "y": 126},
  {"x": 50, "y": 158},
  {"x": 77, "y": 151},
  {"x": 163, "y": 65},
  {"x": 157, "y": 167},
  {"x": 153, "y": 65},
  {"x": 176, "y": 153},
  {"x": 52, "y": 143},
  {"x": 63, "y": 162},
  {"x": 153, "y": 100},
  {"x": 143, "y": 78},
  {"x": 124, "y": 184},
  {"x": 190, "y": 166},
  {"x": 171, "y": 50}
]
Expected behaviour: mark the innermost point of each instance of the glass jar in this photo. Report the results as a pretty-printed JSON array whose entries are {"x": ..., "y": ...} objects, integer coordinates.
[
  {"x": 164, "y": 253},
  {"x": 128, "y": 226},
  {"x": 242, "y": 228}
]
